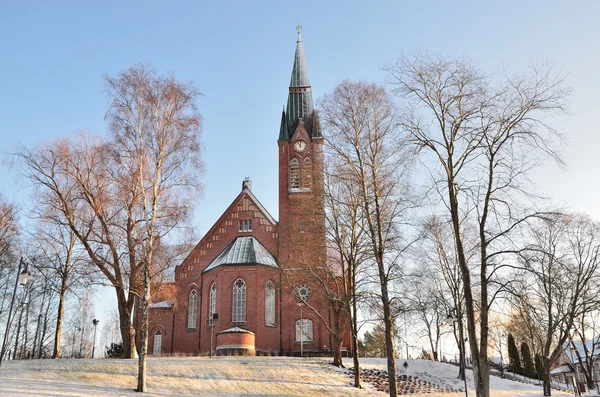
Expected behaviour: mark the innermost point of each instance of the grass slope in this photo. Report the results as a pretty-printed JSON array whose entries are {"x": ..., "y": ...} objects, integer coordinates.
[{"x": 222, "y": 376}]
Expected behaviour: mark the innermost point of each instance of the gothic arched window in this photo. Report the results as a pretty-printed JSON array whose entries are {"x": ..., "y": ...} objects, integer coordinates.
[
  {"x": 239, "y": 301},
  {"x": 294, "y": 174},
  {"x": 212, "y": 301},
  {"x": 307, "y": 171},
  {"x": 304, "y": 331},
  {"x": 192, "y": 308},
  {"x": 269, "y": 303},
  {"x": 157, "y": 348}
]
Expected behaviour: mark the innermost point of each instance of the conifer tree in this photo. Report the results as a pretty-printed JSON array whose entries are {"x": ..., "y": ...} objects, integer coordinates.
[
  {"x": 513, "y": 354},
  {"x": 527, "y": 360}
]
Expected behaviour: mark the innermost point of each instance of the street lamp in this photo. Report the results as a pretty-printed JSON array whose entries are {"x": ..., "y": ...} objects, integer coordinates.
[
  {"x": 73, "y": 345},
  {"x": 95, "y": 322},
  {"x": 23, "y": 278},
  {"x": 301, "y": 330},
  {"x": 211, "y": 324}
]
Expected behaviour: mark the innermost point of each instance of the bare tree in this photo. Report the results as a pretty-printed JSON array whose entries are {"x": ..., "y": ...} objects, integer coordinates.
[
  {"x": 58, "y": 259},
  {"x": 482, "y": 136},
  {"x": 74, "y": 188},
  {"x": 438, "y": 250},
  {"x": 346, "y": 240},
  {"x": 156, "y": 130},
  {"x": 360, "y": 129},
  {"x": 560, "y": 274}
]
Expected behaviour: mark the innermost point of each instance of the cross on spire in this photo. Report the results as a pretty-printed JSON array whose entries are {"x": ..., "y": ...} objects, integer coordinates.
[{"x": 299, "y": 28}]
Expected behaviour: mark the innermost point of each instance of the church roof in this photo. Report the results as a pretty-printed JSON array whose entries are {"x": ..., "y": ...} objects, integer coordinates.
[
  {"x": 163, "y": 305},
  {"x": 300, "y": 101},
  {"x": 299, "y": 71},
  {"x": 244, "y": 250},
  {"x": 236, "y": 330}
]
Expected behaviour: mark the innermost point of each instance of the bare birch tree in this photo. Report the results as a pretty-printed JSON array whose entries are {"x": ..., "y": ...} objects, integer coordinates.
[
  {"x": 156, "y": 130},
  {"x": 479, "y": 137},
  {"x": 360, "y": 130},
  {"x": 347, "y": 240}
]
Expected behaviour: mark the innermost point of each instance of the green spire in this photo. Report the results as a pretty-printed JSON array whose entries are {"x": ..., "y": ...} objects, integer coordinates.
[
  {"x": 300, "y": 101},
  {"x": 299, "y": 71},
  {"x": 283, "y": 129}
]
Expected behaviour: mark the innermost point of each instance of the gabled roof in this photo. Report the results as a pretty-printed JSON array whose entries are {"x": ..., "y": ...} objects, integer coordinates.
[
  {"x": 563, "y": 369},
  {"x": 592, "y": 346},
  {"x": 244, "y": 250},
  {"x": 245, "y": 192}
]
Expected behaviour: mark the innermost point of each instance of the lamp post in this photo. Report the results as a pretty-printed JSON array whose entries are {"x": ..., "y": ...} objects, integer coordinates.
[
  {"x": 301, "y": 330},
  {"x": 23, "y": 278},
  {"x": 73, "y": 345},
  {"x": 453, "y": 318},
  {"x": 211, "y": 323},
  {"x": 95, "y": 322}
]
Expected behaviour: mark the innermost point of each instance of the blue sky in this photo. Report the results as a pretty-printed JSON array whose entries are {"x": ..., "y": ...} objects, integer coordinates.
[
  {"x": 239, "y": 54},
  {"x": 53, "y": 56}
]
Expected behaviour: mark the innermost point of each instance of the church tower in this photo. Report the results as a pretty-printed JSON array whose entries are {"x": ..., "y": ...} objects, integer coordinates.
[{"x": 301, "y": 219}]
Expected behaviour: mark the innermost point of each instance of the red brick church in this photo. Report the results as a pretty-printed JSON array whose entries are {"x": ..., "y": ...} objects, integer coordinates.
[{"x": 246, "y": 288}]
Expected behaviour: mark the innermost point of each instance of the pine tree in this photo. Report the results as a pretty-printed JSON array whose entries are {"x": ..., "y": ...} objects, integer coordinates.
[
  {"x": 513, "y": 354},
  {"x": 527, "y": 360}
]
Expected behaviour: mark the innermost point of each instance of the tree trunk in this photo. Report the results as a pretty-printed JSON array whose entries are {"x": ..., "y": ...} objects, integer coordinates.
[
  {"x": 389, "y": 341},
  {"x": 125, "y": 326},
  {"x": 546, "y": 379},
  {"x": 59, "y": 319},
  {"x": 337, "y": 341},
  {"x": 354, "y": 339},
  {"x": 144, "y": 334},
  {"x": 45, "y": 329}
]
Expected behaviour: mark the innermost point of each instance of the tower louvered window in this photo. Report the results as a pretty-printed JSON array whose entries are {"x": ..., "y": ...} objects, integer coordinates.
[
  {"x": 294, "y": 174},
  {"x": 192, "y": 308},
  {"x": 269, "y": 304},
  {"x": 307, "y": 171},
  {"x": 239, "y": 301}
]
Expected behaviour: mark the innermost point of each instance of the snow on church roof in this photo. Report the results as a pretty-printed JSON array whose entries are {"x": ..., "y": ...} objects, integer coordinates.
[
  {"x": 243, "y": 251},
  {"x": 163, "y": 305}
]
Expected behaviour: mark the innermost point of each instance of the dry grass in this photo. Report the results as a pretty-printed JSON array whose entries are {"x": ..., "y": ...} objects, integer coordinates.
[{"x": 223, "y": 376}]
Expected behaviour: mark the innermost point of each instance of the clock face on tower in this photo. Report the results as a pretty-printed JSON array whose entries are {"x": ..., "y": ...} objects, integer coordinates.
[{"x": 300, "y": 146}]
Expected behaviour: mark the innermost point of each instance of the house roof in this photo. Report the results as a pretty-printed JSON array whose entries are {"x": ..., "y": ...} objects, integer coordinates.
[
  {"x": 563, "y": 369},
  {"x": 245, "y": 250},
  {"x": 593, "y": 349}
]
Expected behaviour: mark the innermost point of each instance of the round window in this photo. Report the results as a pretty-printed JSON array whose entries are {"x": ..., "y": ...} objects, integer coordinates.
[{"x": 303, "y": 292}]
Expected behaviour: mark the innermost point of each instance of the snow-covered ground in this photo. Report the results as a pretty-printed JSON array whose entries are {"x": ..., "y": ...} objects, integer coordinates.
[
  {"x": 221, "y": 376},
  {"x": 446, "y": 374}
]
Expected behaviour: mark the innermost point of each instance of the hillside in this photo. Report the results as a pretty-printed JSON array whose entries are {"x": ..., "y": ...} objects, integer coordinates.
[{"x": 223, "y": 376}]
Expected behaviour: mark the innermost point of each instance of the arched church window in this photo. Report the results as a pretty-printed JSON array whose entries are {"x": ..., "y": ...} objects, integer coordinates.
[
  {"x": 304, "y": 330},
  {"x": 269, "y": 303},
  {"x": 212, "y": 301},
  {"x": 294, "y": 174},
  {"x": 239, "y": 301},
  {"x": 157, "y": 348},
  {"x": 307, "y": 171},
  {"x": 192, "y": 308}
]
